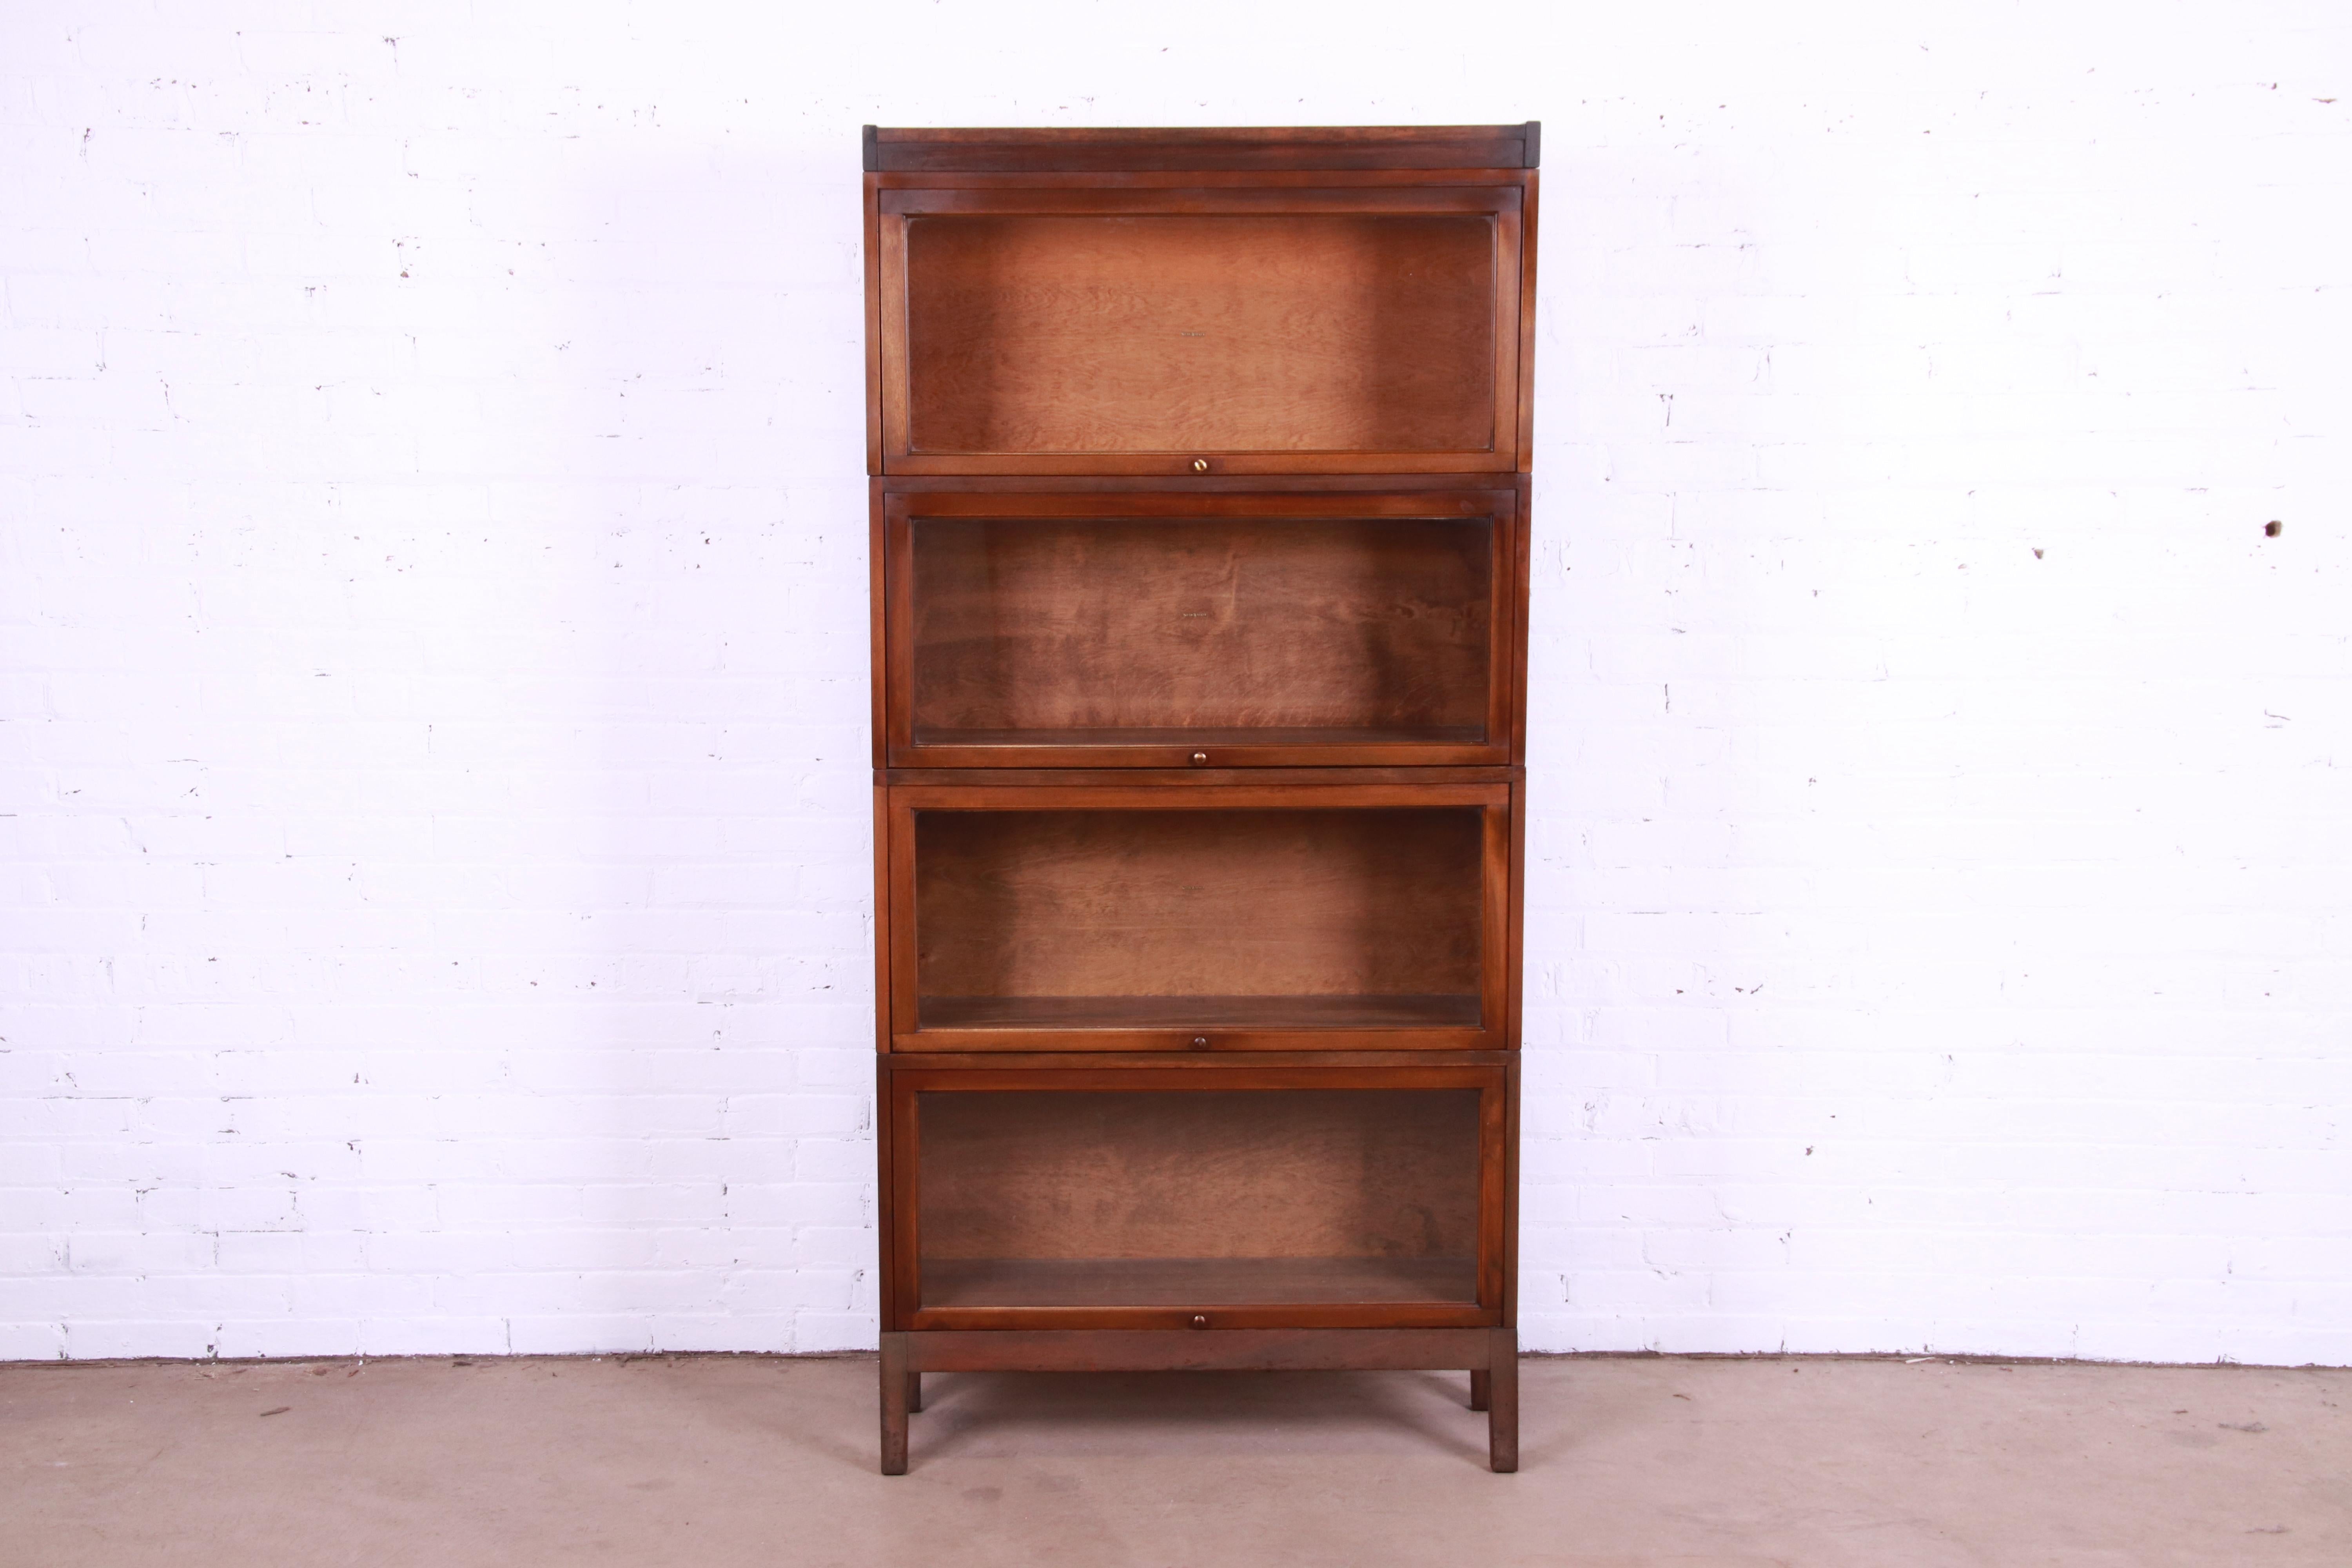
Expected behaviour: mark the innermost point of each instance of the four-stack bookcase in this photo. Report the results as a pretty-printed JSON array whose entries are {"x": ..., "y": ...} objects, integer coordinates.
[{"x": 1200, "y": 576}]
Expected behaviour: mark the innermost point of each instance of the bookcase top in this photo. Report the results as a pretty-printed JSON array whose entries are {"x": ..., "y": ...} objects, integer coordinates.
[{"x": 1069, "y": 149}]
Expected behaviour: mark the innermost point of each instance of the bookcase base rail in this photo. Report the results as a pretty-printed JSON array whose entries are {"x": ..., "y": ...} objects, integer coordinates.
[{"x": 1489, "y": 1355}]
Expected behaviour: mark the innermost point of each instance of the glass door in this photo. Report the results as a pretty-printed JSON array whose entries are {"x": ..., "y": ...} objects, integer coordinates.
[{"x": 1147, "y": 1197}]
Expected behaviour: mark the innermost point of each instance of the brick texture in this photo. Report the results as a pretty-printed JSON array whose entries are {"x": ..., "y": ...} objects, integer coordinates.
[{"x": 434, "y": 878}]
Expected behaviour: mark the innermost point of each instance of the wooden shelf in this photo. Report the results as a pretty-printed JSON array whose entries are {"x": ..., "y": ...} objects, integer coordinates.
[
  {"x": 1189, "y": 1282},
  {"x": 1046, "y": 1012}
]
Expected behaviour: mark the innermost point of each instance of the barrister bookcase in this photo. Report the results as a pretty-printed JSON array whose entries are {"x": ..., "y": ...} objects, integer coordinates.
[{"x": 1200, "y": 554}]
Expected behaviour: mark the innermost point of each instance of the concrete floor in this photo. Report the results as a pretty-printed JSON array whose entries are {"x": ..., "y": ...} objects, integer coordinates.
[{"x": 724, "y": 1460}]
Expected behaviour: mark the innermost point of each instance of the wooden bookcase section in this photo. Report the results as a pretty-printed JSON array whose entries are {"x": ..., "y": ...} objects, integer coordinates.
[
  {"x": 1222, "y": 917},
  {"x": 1137, "y": 1200},
  {"x": 1200, "y": 559},
  {"x": 1220, "y": 329},
  {"x": 1166, "y": 628}
]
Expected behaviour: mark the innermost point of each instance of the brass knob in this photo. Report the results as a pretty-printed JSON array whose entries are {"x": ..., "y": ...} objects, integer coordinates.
[
  {"x": 1199, "y": 464},
  {"x": 1200, "y": 1042},
  {"x": 1200, "y": 759},
  {"x": 1199, "y": 1321}
]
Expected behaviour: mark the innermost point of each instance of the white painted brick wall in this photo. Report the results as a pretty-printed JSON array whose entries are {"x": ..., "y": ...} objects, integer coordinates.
[{"x": 435, "y": 906}]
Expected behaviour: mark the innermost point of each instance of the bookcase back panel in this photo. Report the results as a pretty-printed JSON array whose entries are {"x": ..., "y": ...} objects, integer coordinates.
[
  {"x": 1284, "y": 1173},
  {"x": 1123, "y": 332},
  {"x": 1233, "y": 625},
  {"x": 1110, "y": 910}
]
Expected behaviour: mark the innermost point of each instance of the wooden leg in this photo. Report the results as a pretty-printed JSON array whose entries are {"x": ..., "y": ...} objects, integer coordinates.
[
  {"x": 895, "y": 1379},
  {"x": 1482, "y": 1390},
  {"x": 1502, "y": 1406},
  {"x": 915, "y": 1393}
]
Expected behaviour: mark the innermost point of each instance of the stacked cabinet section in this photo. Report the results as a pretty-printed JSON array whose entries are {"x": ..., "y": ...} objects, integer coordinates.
[
  {"x": 1200, "y": 329},
  {"x": 1143, "y": 1199},
  {"x": 1166, "y": 628},
  {"x": 1200, "y": 548},
  {"x": 1227, "y": 916}
]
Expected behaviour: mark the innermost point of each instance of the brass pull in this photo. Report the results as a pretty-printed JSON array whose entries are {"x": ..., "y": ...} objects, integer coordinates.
[
  {"x": 1199, "y": 464},
  {"x": 1199, "y": 1321},
  {"x": 1200, "y": 759},
  {"x": 1200, "y": 1042}
]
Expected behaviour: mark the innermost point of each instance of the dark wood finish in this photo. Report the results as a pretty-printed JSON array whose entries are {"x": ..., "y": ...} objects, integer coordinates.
[
  {"x": 888, "y": 1218},
  {"x": 1173, "y": 745},
  {"x": 1194, "y": 484},
  {"x": 1517, "y": 658},
  {"x": 1512, "y": 1068},
  {"x": 1222, "y": 1183},
  {"x": 1503, "y": 1401},
  {"x": 1149, "y": 629},
  {"x": 1505, "y": 1134},
  {"x": 1525, "y": 399},
  {"x": 884, "y": 901},
  {"x": 1216, "y": 329},
  {"x": 1207, "y": 777},
  {"x": 1285, "y": 1315},
  {"x": 1199, "y": 564},
  {"x": 1318, "y": 147},
  {"x": 1183, "y": 1061},
  {"x": 878, "y": 556},
  {"x": 1180, "y": 1350},
  {"x": 882, "y": 184},
  {"x": 1489, "y": 1355},
  {"x": 1514, "y": 918},
  {"x": 896, "y": 1378},
  {"x": 873, "y": 367}
]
